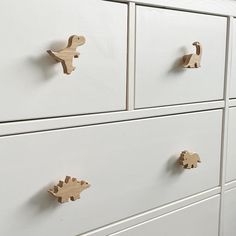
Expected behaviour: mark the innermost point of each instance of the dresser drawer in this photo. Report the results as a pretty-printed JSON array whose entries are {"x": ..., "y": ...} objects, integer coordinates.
[
  {"x": 126, "y": 163},
  {"x": 189, "y": 221},
  {"x": 163, "y": 38},
  {"x": 230, "y": 213},
  {"x": 34, "y": 86},
  {"x": 233, "y": 67},
  {"x": 231, "y": 154}
]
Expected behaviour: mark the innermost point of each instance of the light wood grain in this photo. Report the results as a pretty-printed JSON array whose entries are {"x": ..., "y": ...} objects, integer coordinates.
[
  {"x": 189, "y": 160},
  {"x": 69, "y": 189},
  {"x": 66, "y": 55},
  {"x": 193, "y": 60}
]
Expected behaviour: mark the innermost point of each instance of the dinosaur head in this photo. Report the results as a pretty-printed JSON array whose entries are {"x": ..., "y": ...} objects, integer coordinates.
[
  {"x": 84, "y": 184},
  {"x": 76, "y": 40},
  {"x": 183, "y": 157},
  {"x": 198, "y": 48},
  {"x": 196, "y": 44}
]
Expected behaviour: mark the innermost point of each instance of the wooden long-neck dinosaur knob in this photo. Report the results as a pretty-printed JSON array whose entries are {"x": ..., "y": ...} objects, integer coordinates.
[
  {"x": 66, "y": 55},
  {"x": 193, "y": 60}
]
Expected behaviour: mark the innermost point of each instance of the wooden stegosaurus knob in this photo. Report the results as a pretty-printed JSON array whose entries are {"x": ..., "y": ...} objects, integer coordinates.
[
  {"x": 189, "y": 160},
  {"x": 69, "y": 189}
]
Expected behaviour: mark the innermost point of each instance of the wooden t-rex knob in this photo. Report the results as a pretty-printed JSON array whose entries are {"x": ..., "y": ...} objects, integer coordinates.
[
  {"x": 193, "y": 60},
  {"x": 189, "y": 160},
  {"x": 69, "y": 189},
  {"x": 66, "y": 55}
]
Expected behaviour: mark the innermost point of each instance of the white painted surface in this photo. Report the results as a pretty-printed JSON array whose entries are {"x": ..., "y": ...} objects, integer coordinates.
[
  {"x": 127, "y": 163},
  {"x": 131, "y": 56},
  {"x": 154, "y": 213},
  {"x": 231, "y": 155},
  {"x": 118, "y": 150},
  {"x": 222, "y": 7},
  {"x": 230, "y": 213},
  {"x": 76, "y": 121},
  {"x": 34, "y": 86},
  {"x": 163, "y": 38},
  {"x": 230, "y": 185},
  {"x": 232, "y": 102},
  {"x": 224, "y": 144},
  {"x": 197, "y": 219},
  {"x": 233, "y": 68}
]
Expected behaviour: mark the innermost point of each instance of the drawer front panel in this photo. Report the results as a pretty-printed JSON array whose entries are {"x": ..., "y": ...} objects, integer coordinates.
[
  {"x": 126, "y": 163},
  {"x": 34, "y": 86},
  {"x": 230, "y": 213},
  {"x": 163, "y": 38},
  {"x": 190, "y": 221},
  {"x": 231, "y": 154},
  {"x": 233, "y": 67}
]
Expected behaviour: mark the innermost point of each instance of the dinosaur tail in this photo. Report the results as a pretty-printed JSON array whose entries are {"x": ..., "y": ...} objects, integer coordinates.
[{"x": 54, "y": 54}]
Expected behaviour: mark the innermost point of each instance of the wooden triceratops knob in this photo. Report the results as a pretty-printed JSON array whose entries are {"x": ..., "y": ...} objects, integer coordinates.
[
  {"x": 193, "y": 60},
  {"x": 66, "y": 55},
  {"x": 189, "y": 160},
  {"x": 69, "y": 189}
]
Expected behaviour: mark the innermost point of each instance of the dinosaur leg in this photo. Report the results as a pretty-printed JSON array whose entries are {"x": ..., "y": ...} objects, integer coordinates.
[
  {"x": 68, "y": 67},
  {"x": 75, "y": 197},
  {"x": 76, "y": 55},
  {"x": 189, "y": 166},
  {"x": 63, "y": 199},
  {"x": 197, "y": 64}
]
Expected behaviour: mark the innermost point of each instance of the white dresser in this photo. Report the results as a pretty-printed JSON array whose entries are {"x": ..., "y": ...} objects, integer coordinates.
[{"x": 120, "y": 120}]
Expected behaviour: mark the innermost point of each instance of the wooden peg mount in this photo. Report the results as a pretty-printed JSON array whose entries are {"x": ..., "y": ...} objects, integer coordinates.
[
  {"x": 189, "y": 160},
  {"x": 66, "y": 55},
  {"x": 69, "y": 189},
  {"x": 193, "y": 60}
]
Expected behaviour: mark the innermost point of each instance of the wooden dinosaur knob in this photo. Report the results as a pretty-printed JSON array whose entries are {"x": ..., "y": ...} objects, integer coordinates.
[
  {"x": 193, "y": 60},
  {"x": 189, "y": 160},
  {"x": 69, "y": 189},
  {"x": 66, "y": 55}
]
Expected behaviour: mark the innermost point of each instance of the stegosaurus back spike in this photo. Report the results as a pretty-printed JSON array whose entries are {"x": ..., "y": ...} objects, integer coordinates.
[{"x": 69, "y": 189}]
